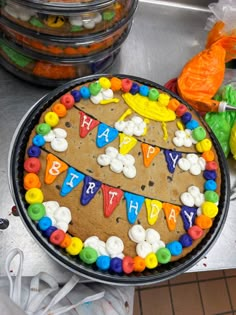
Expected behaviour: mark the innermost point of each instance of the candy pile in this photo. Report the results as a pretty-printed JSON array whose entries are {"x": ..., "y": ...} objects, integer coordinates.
[
  {"x": 198, "y": 208},
  {"x": 59, "y": 41}
]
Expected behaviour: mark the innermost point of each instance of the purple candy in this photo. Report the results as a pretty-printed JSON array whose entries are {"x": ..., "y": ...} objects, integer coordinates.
[
  {"x": 186, "y": 118},
  {"x": 76, "y": 94},
  {"x": 34, "y": 151},
  {"x": 134, "y": 89},
  {"x": 116, "y": 265},
  {"x": 47, "y": 233},
  {"x": 185, "y": 240},
  {"x": 209, "y": 175}
]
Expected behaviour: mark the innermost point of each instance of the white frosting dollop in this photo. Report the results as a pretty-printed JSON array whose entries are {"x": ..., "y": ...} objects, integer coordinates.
[
  {"x": 135, "y": 126},
  {"x": 183, "y": 138},
  {"x": 51, "y": 207},
  {"x": 137, "y": 233},
  {"x": 187, "y": 199},
  {"x": 104, "y": 160},
  {"x": 197, "y": 197},
  {"x": 157, "y": 245},
  {"x": 152, "y": 236},
  {"x": 60, "y": 215},
  {"x": 59, "y": 133},
  {"x": 143, "y": 249},
  {"x": 114, "y": 246},
  {"x": 50, "y": 136},
  {"x": 59, "y": 144},
  {"x": 62, "y": 225},
  {"x": 63, "y": 214}
]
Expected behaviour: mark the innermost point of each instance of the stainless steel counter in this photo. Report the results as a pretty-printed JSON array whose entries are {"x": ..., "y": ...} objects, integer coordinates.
[{"x": 162, "y": 39}]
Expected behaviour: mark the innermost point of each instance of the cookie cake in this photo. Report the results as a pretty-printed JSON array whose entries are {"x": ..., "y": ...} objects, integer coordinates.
[{"x": 119, "y": 179}]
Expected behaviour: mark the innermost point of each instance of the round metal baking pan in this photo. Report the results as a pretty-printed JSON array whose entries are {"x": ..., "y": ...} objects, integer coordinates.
[{"x": 161, "y": 273}]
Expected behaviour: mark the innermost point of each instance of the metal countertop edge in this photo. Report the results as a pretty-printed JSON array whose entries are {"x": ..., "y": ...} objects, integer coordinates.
[{"x": 177, "y": 5}]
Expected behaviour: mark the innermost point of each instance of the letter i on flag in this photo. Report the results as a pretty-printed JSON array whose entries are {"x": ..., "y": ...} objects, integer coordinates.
[
  {"x": 111, "y": 198},
  {"x": 87, "y": 124},
  {"x": 54, "y": 168},
  {"x": 73, "y": 178},
  {"x": 133, "y": 206}
]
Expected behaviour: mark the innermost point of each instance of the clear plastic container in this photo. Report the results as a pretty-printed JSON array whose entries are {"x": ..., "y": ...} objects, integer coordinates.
[
  {"x": 53, "y": 71},
  {"x": 78, "y": 22},
  {"x": 63, "y": 47}
]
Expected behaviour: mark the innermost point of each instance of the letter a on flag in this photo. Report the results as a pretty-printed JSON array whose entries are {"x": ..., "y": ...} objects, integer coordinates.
[
  {"x": 111, "y": 198},
  {"x": 54, "y": 168},
  {"x": 87, "y": 124},
  {"x": 171, "y": 213},
  {"x": 105, "y": 135}
]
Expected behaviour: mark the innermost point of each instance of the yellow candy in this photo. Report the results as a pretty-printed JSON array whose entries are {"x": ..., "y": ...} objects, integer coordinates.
[
  {"x": 180, "y": 125},
  {"x": 34, "y": 195},
  {"x": 75, "y": 246},
  {"x": 105, "y": 83},
  {"x": 209, "y": 209},
  {"x": 55, "y": 21},
  {"x": 232, "y": 141},
  {"x": 204, "y": 145},
  {"x": 151, "y": 261},
  {"x": 163, "y": 99},
  {"x": 51, "y": 118}
]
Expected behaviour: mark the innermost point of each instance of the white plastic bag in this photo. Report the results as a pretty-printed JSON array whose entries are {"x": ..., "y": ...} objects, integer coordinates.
[{"x": 41, "y": 295}]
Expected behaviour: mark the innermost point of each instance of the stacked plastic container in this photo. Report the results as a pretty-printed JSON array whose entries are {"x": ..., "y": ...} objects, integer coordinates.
[{"x": 49, "y": 42}]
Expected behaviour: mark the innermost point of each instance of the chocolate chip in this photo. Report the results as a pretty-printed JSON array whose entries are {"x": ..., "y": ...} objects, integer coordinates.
[
  {"x": 58, "y": 187},
  {"x": 151, "y": 183},
  {"x": 143, "y": 187},
  {"x": 89, "y": 171},
  {"x": 67, "y": 124},
  {"x": 118, "y": 220},
  {"x": 4, "y": 223},
  {"x": 139, "y": 153},
  {"x": 169, "y": 179}
]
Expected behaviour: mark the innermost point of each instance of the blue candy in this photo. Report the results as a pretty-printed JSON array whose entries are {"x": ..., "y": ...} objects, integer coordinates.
[
  {"x": 134, "y": 89},
  {"x": 44, "y": 223},
  {"x": 185, "y": 240},
  {"x": 210, "y": 184},
  {"x": 76, "y": 94},
  {"x": 192, "y": 124},
  {"x": 34, "y": 151},
  {"x": 116, "y": 265},
  {"x": 103, "y": 262},
  {"x": 38, "y": 140},
  {"x": 186, "y": 118},
  {"x": 175, "y": 248},
  {"x": 84, "y": 92},
  {"x": 144, "y": 90}
]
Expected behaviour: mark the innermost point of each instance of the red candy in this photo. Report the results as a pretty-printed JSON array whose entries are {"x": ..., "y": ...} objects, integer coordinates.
[
  {"x": 181, "y": 109},
  {"x": 57, "y": 237},
  {"x": 32, "y": 165},
  {"x": 67, "y": 100},
  {"x": 211, "y": 166},
  {"x": 126, "y": 85},
  {"x": 195, "y": 232},
  {"x": 128, "y": 264}
]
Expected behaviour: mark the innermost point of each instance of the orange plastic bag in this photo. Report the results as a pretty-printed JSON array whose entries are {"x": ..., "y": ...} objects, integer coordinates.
[{"x": 203, "y": 75}]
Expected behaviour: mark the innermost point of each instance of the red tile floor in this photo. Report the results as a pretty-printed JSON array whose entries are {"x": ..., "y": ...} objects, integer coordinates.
[{"x": 202, "y": 293}]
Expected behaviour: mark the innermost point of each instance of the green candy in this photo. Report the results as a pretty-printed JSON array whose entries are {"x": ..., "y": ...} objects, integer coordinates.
[
  {"x": 163, "y": 255},
  {"x": 76, "y": 28},
  {"x": 36, "y": 211},
  {"x": 153, "y": 94},
  {"x": 108, "y": 15},
  {"x": 35, "y": 22},
  {"x": 43, "y": 129},
  {"x": 95, "y": 88},
  {"x": 211, "y": 196},
  {"x": 199, "y": 133},
  {"x": 88, "y": 255},
  {"x": 19, "y": 59}
]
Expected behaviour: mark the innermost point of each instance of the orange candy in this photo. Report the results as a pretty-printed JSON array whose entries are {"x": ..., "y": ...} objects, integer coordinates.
[
  {"x": 115, "y": 84},
  {"x": 59, "y": 109},
  {"x": 203, "y": 221},
  {"x": 139, "y": 264},
  {"x": 173, "y": 104},
  {"x": 31, "y": 180},
  {"x": 208, "y": 156},
  {"x": 66, "y": 242}
]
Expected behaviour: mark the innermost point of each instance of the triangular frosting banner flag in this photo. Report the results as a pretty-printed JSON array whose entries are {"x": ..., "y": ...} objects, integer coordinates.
[
  {"x": 111, "y": 198},
  {"x": 73, "y": 178},
  {"x": 133, "y": 206},
  {"x": 172, "y": 158},
  {"x": 153, "y": 209},
  {"x": 127, "y": 143},
  {"x": 87, "y": 124},
  {"x": 149, "y": 152},
  {"x": 54, "y": 167},
  {"x": 188, "y": 215},
  {"x": 105, "y": 135},
  {"x": 171, "y": 213},
  {"x": 90, "y": 188}
]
